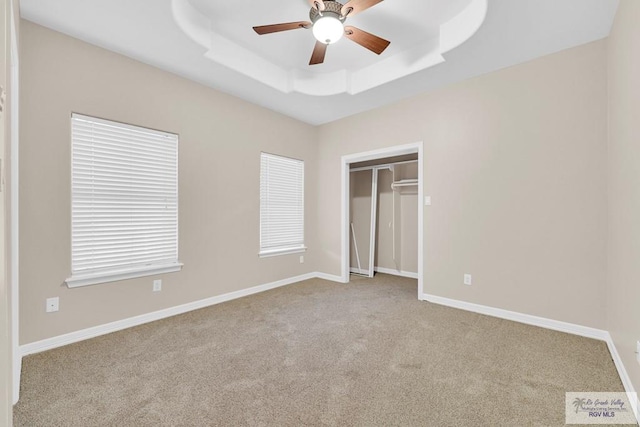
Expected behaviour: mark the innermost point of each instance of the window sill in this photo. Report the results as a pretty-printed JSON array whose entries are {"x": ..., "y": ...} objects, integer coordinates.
[
  {"x": 284, "y": 251},
  {"x": 114, "y": 276}
]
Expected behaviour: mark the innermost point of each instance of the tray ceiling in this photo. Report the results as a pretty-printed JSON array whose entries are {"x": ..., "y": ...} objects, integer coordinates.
[{"x": 433, "y": 43}]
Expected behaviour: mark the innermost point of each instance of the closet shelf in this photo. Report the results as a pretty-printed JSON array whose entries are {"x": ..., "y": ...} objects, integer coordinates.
[{"x": 404, "y": 183}]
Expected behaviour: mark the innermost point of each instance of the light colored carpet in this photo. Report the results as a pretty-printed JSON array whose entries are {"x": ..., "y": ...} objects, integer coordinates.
[{"x": 317, "y": 353}]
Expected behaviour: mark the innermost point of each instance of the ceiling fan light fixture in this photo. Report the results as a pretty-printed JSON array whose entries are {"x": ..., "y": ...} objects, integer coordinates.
[
  {"x": 326, "y": 21},
  {"x": 328, "y": 29}
]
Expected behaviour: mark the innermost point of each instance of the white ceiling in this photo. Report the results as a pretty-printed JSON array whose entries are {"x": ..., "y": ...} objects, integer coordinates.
[
  {"x": 212, "y": 42},
  {"x": 277, "y": 60}
]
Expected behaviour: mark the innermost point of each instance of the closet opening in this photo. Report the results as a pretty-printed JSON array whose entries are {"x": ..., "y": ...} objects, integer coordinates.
[{"x": 383, "y": 213}]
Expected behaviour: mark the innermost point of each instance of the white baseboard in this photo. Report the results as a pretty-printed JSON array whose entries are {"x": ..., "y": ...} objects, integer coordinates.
[
  {"x": 543, "y": 322},
  {"x": 555, "y": 325},
  {"x": 409, "y": 274},
  {"x": 72, "y": 337},
  {"x": 330, "y": 277},
  {"x": 96, "y": 331},
  {"x": 624, "y": 376},
  {"x": 391, "y": 271},
  {"x": 359, "y": 271},
  {"x": 17, "y": 372}
]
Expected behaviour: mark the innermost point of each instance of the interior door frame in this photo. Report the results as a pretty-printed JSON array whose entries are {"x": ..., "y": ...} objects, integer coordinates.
[
  {"x": 398, "y": 150},
  {"x": 14, "y": 201},
  {"x": 374, "y": 221}
]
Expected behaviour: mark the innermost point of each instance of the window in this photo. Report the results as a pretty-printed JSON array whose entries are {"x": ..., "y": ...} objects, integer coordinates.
[
  {"x": 281, "y": 205},
  {"x": 124, "y": 201}
]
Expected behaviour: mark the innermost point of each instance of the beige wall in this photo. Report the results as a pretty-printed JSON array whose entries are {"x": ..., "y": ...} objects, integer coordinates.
[
  {"x": 514, "y": 165},
  {"x": 408, "y": 254},
  {"x": 513, "y": 162},
  {"x": 219, "y": 160},
  {"x": 408, "y": 214},
  {"x": 623, "y": 293}
]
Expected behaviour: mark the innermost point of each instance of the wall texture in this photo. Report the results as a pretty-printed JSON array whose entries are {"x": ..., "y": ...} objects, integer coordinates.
[
  {"x": 221, "y": 138},
  {"x": 514, "y": 165},
  {"x": 623, "y": 291}
]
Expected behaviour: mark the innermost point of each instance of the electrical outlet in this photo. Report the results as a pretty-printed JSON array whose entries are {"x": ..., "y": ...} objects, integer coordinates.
[
  {"x": 638, "y": 351},
  {"x": 301, "y": 259},
  {"x": 467, "y": 279},
  {"x": 157, "y": 285},
  {"x": 53, "y": 304},
  {"x": 427, "y": 200}
]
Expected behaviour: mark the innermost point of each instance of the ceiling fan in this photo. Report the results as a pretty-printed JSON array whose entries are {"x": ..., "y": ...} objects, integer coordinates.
[{"x": 327, "y": 23}]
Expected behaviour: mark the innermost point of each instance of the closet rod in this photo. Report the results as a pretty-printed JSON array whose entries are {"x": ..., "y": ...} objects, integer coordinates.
[
  {"x": 384, "y": 166},
  {"x": 404, "y": 183},
  {"x": 370, "y": 168}
]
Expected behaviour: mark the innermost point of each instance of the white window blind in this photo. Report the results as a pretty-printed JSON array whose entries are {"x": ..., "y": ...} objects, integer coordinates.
[
  {"x": 281, "y": 205},
  {"x": 124, "y": 201}
]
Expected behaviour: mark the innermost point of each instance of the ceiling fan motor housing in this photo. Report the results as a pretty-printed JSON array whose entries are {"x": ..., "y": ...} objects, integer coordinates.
[{"x": 331, "y": 8}]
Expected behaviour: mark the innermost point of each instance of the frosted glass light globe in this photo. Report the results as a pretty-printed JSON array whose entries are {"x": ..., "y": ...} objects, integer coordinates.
[{"x": 328, "y": 29}]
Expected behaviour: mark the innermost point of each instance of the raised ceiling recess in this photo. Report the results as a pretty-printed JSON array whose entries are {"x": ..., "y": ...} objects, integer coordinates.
[
  {"x": 273, "y": 70},
  {"x": 421, "y": 34}
]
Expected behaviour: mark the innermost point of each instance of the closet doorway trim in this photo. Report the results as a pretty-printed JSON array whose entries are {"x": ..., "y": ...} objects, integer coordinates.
[{"x": 398, "y": 150}]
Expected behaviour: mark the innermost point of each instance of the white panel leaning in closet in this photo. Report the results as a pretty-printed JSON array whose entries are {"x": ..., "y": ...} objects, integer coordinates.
[{"x": 362, "y": 220}]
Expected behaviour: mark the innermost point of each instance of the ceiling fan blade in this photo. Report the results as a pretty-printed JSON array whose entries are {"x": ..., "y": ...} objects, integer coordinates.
[
  {"x": 275, "y": 28},
  {"x": 357, "y": 6},
  {"x": 317, "y": 4},
  {"x": 374, "y": 43},
  {"x": 317, "y": 57}
]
